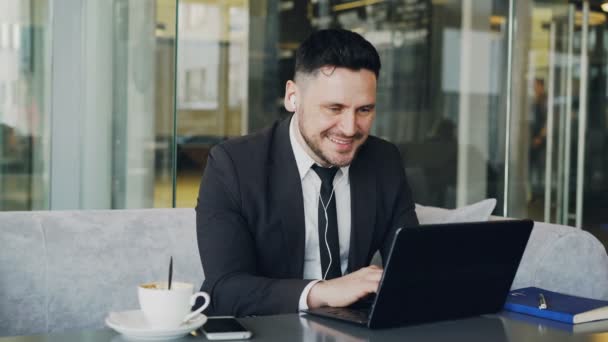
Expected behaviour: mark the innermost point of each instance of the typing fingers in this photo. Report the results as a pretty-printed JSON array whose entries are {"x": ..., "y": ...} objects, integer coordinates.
[
  {"x": 371, "y": 286},
  {"x": 374, "y": 277}
]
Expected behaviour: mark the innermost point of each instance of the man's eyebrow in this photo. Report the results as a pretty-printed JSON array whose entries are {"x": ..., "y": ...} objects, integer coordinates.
[
  {"x": 368, "y": 106},
  {"x": 338, "y": 104},
  {"x": 331, "y": 104}
]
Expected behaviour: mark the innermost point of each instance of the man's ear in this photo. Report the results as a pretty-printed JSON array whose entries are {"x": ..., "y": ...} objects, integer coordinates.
[{"x": 290, "y": 99}]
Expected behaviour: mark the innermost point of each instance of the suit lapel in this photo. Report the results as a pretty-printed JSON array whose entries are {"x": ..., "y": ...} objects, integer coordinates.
[
  {"x": 287, "y": 199},
  {"x": 363, "y": 210}
]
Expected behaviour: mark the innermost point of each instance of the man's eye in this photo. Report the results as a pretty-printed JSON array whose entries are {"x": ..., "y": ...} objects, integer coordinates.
[{"x": 335, "y": 109}]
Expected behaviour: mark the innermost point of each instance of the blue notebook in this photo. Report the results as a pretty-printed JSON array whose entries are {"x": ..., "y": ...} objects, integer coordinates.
[
  {"x": 560, "y": 307},
  {"x": 543, "y": 323}
]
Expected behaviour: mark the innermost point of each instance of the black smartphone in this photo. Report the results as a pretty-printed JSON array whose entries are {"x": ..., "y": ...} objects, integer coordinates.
[{"x": 225, "y": 328}]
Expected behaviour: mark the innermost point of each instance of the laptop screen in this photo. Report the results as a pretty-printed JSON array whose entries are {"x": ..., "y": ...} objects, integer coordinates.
[{"x": 448, "y": 271}]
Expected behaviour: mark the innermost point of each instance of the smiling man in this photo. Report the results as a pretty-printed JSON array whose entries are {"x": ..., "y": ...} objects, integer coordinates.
[
  {"x": 290, "y": 217},
  {"x": 336, "y": 111}
]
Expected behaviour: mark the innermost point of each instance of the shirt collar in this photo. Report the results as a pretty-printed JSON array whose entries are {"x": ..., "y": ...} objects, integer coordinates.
[{"x": 303, "y": 160}]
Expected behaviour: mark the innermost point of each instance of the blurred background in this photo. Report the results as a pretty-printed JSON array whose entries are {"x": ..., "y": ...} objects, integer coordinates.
[{"x": 116, "y": 103}]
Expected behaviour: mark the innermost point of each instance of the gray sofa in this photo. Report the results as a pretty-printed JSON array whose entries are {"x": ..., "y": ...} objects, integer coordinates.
[{"x": 65, "y": 270}]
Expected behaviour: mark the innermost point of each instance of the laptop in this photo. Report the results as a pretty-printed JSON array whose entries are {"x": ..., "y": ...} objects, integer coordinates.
[{"x": 441, "y": 272}]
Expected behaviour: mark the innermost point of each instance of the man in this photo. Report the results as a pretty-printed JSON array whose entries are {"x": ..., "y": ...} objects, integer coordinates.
[
  {"x": 290, "y": 217},
  {"x": 538, "y": 137}
]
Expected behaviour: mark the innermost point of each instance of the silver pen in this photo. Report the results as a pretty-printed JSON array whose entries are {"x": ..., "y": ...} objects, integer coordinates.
[{"x": 542, "y": 302}]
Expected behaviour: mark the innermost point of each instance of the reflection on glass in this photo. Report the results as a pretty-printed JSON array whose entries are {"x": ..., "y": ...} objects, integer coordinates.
[
  {"x": 86, "y": 104},
  {"x": 212, "y": 85},
  {"x": 551, "y": 63},
  {"x": 24, "y": 70},
  {"x": 165, "y": 64},
  {"x": 538, "y": 61},
  {"x": 124, "y": 157}
]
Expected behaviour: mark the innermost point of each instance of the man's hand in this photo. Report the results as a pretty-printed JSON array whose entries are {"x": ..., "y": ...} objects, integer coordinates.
[{"x": 345, "y": 290}]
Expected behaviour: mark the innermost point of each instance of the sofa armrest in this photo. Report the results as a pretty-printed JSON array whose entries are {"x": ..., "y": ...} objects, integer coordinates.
[
  {"x": 65, "y": 270},
  {"x": 564, "y": 259}
]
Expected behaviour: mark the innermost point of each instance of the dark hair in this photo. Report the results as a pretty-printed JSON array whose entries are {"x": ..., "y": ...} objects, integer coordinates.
[{"x": 339, "y": 48}]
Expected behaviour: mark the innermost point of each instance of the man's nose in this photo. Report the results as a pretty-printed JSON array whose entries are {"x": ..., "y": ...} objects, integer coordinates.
[{"x": 348, "y": 124}]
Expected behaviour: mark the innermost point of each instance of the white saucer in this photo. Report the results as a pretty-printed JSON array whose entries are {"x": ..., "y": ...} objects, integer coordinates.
[{"x": 133, "y": 325}]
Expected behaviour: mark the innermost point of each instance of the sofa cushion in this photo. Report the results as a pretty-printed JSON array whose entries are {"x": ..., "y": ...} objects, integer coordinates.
[
  {"x": 479, "y": 211},
  {"x": 66, "y": 270}
]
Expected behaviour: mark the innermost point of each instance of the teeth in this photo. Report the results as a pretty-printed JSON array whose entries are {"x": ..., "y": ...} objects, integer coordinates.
[{"x": 337, "y": 141}]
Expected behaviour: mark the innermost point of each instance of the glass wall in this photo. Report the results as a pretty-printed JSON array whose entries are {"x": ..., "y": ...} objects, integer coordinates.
[
  {"x": 86, "y": 104},
  {"x": 212, "y": 74},
  {"x": 560, "y": 162},
  {"x": 112, "y": 135},
  {"x": 117, "y": 104},
  {"x": 25, "y": 33}
]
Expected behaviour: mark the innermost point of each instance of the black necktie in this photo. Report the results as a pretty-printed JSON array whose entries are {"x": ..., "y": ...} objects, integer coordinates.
[{"x": 327, "y": 179}]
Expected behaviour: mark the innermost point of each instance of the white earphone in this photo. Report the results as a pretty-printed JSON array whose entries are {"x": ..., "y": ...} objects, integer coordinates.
[{"x": 325, "y": 206}]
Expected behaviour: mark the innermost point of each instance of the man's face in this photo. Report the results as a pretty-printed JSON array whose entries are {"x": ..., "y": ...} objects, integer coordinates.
[{"x": 335, "y": 112}]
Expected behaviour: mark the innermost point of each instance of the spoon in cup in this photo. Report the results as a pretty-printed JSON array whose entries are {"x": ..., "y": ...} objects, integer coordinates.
[{"x": 170, "y": 273}]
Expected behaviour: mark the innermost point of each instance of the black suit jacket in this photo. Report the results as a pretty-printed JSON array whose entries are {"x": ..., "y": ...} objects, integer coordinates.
[{"x": 250, "y": 219}]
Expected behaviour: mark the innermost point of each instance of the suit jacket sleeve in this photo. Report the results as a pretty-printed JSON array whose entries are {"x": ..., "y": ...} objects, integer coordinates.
[
  {"x": 404, "y": 214},
  {"x": 228, "y": 250}
]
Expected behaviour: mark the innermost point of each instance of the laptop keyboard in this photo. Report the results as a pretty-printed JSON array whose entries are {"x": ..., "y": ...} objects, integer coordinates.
[
  {"x": 349, "y": 314},
  {"x": 364, "y": 303},
  {"x": 357, "y": 312}
]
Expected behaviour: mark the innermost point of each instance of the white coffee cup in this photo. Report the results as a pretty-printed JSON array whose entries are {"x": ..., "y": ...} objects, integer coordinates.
[{"x": 165, "y": 309}]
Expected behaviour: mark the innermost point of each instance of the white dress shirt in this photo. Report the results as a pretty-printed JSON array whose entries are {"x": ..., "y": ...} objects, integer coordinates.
[{"x": 311, "y": 187}]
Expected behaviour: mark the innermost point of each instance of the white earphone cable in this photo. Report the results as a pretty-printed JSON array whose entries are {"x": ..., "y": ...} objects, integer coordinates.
[{"x": 325, "y": 206}]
